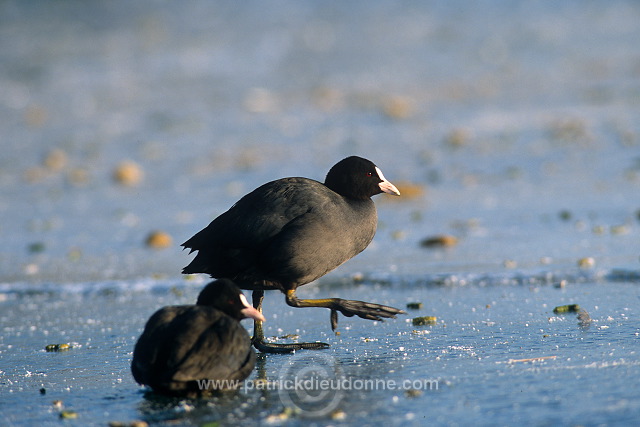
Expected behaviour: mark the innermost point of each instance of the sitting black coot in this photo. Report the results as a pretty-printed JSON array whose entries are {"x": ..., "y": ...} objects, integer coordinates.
[
  {"x": 183, "y": 344},
  {"x": 291, "y": 231}
]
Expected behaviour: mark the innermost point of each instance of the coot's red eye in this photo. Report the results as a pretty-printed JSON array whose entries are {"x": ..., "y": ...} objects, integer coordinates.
[{"x": 368, "y": 174}]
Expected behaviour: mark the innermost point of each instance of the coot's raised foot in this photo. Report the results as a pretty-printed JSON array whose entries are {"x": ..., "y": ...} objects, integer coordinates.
[
  {"x": 267, "y": 347},
  {"x": 349, "y": 308}
]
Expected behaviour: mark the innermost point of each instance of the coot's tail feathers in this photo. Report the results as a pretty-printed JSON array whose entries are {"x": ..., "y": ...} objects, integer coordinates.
[
  {"x": 191, "y": 244},
  {"x": 198, "y": 265},
  {"x": 186, "y": 246},
  {"x": 201, "y": 239},
  {"x": 198, "y": 242}
]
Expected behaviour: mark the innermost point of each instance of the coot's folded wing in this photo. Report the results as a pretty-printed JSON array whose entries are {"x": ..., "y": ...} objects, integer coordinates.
[
  {"x": 229, "y": 244},
  {"x": 221, "y": 352},
  {"x": 147, "y": 354}
]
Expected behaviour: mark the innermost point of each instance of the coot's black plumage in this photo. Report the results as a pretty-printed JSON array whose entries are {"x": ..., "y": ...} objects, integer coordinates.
[
  {"x": 183, "y": 344},
  {"x": 292, "y": 231}
]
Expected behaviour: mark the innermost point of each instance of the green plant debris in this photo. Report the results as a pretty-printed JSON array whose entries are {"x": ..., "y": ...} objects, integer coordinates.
[
  {"x": 424, "y": 320},
  {"x": 68, "y": 414},
  {"x": 58, "y": 347},
  {"x": 569, "y": 308}
]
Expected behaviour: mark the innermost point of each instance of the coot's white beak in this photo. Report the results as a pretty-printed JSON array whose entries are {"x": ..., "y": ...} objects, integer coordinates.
[
  {"x": 385, "y": 185},
  {"x": 249, "y": 311}
]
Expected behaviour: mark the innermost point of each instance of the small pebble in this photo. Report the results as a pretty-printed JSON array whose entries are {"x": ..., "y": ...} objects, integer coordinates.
[
  {"x": 137, "y": 423},
  {"x": 412, "y": 392},
  {"x": 260, "y": 100},
  {"x": 509, "y": 263},
  {"x": 398, "y": 235},
  {"x": 514, "y": 172},
  {"x": 561, "y": 284},
  {"x": 176, "y": 291},
  {"x": 338, "y": 415},
  {"x": 408, "y": 190},
  {"x": 35, "y": 174},
  {"x": 424, "y": 320},
  {"x": 586, "y": 262},
  {"x": 56, "y": 160},
  {"x": 78, "y": 176},
  {"x": 57, "y": 404},
  {"x": 444, "y": 240},
  {"x": 36, "y": 247},
  {"x": 569, "y": 130},
  {"x": 565, "y": 215},
  {"x": 398, "y": 107},
  {"x": 328, "y": 99},
  {"x": 158, "y": 240},
  {"x": 289, "y": 337},
  {"x": 74, "y": 254},
  {"x": 128, "y": 173},
  {"x": 414, "y": 305},
  {"x": 357, "y": 277},
  {"x": 283, "y": 416},
  {"x": 31, "y": 269},
  {"x": 457, "y": 138},
  {"x": 35, "y": 116},
  {"x": 43, "y": 390},
  {"x": 619, "y": 229}
]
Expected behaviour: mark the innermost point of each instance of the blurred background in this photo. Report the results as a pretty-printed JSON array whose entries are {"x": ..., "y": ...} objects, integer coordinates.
[{"x": 126, "y": 127}]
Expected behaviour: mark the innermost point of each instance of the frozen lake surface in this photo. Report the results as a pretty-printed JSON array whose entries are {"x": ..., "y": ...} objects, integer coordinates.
[
  {"x": 498, "y": 355},
  {"x": 512, "y": 126}
]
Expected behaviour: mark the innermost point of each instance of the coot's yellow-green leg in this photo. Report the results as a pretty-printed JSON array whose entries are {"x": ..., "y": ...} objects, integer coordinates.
[{"x": 365, "y": 310}]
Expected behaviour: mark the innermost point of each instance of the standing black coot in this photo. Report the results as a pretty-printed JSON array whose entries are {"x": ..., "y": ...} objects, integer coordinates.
[
  {"x": 291, "y": 231},
  {"x": 183, "y": 344}
]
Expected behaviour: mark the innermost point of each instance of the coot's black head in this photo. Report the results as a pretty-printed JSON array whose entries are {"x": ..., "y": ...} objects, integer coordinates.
[
  {"x": 358, "y": 178},
  {"x": 224, "y": 295}
]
